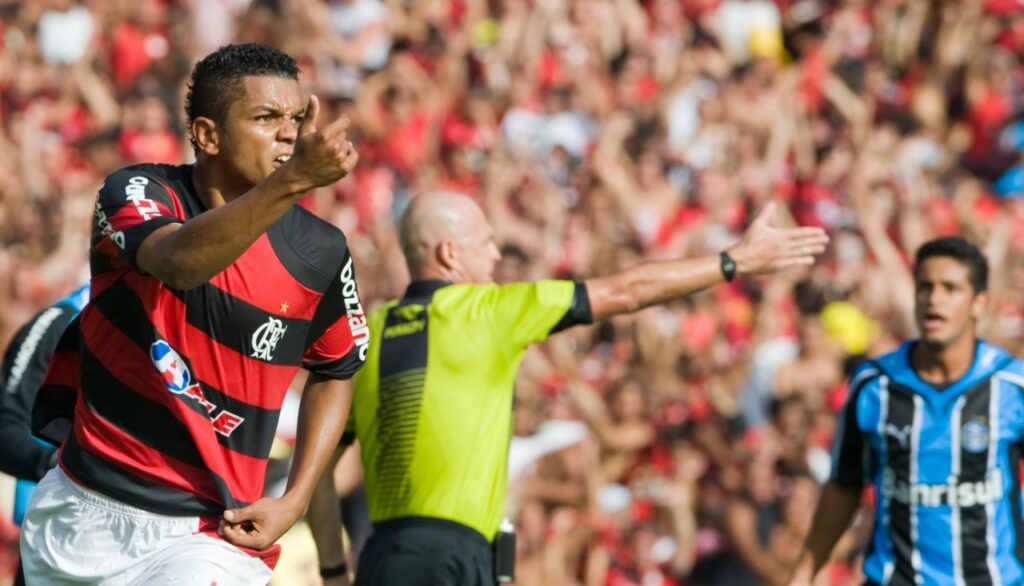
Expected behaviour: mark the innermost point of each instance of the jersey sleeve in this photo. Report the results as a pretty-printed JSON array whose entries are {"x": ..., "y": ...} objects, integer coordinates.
[
  {"x": 339, "y": 337},
  {"x": 850, "y": 461},
  {"x": 579, "y": 311},
  {"x": 24, "y": 367},
  {"x": 529, "y": 312},
  {"x": 54, "y": 406},
  {"x": 132, "y": 204}
]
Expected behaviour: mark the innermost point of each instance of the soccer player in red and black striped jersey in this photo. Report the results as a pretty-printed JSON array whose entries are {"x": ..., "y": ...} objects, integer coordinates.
[{"x": 210, "y": 289}]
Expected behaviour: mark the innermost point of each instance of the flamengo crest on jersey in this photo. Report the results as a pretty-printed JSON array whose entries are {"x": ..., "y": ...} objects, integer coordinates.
[{"x": 266, "y": 337}]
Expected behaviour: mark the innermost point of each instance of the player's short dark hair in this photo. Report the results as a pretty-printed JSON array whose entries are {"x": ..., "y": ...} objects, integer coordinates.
[
  {"x": 962, "y": 251},
  {"x": 216, "y": 79}
]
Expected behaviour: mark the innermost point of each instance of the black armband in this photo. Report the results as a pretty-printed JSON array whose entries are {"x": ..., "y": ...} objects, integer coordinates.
[{"x": 579, "y": 311}]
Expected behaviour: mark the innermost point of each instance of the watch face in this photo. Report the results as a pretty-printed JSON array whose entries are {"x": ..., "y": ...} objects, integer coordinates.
[{"x": 728, "y": 266}]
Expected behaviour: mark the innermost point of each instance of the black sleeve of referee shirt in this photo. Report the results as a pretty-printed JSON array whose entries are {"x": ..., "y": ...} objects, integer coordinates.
[
  {"x": 579, "y": 311},
  {"x": 24, "y": 366}
]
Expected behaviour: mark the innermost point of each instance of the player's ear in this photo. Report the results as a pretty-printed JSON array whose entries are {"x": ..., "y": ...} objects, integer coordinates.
[
  {"x": 979, "y": 304},
  {"x": 207, "y": 135}
]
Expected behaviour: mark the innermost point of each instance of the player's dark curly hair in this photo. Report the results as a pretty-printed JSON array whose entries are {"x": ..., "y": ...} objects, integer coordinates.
[
  {"x": 217, "y": 78},
  {"x": 961, "y": 250}
]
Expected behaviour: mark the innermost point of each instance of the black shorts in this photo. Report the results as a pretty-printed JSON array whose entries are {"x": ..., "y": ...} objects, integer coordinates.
[{"x": 419, "y": 551}]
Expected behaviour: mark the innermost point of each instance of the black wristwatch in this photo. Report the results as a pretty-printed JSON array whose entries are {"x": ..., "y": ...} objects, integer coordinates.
[
  {"x": 334, "y": 571},
  {"x": 727, "y": 264}
]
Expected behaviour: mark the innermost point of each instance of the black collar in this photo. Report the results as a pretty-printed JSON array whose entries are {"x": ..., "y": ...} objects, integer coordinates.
[{"x": 424, "y": 288}]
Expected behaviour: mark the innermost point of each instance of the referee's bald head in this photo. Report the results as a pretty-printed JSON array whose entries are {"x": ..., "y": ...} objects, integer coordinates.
[{"x": 445, "y": 235}]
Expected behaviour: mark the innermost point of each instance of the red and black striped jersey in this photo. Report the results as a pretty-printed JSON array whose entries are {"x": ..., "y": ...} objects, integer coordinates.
[{"x": 180, "y": 391}]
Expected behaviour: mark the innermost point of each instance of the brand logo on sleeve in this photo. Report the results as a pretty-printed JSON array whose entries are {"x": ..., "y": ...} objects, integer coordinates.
[
  {"x": 354, "y": 311},
  {"x": 135, "y": 192},
  {"x": 28, "y": 348},
  {"x": 266, "y": 337},
  {"x": 107, "y": 229}
]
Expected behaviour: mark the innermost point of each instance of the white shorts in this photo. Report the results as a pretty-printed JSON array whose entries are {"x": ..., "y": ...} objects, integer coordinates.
[{"x": 72, "y": 535}]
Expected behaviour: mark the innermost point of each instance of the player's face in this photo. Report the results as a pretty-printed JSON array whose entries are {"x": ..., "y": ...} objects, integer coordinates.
[
  {"x": 946, "y": 305},
  {"x": 261, "y": 127},
  {"x": 479, "y": 252}
]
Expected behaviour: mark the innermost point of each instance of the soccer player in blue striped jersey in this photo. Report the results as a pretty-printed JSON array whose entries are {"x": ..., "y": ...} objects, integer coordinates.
[{"x": 937, "y": 427}]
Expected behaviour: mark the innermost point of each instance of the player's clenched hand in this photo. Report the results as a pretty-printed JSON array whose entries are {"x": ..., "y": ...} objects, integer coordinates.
[
  {"x": 323, "y": 156},
  {"x": 766, "y": 248},
  {"x": 260, "y": 524}
]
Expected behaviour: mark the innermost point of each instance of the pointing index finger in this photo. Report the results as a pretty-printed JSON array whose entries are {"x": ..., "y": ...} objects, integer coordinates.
[{"x": 336, "y": 128}]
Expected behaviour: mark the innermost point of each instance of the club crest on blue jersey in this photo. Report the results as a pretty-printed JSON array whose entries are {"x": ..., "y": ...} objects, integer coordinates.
[
  {"x": 177, "y": 377},
  {"x": 974, "y": 436}
]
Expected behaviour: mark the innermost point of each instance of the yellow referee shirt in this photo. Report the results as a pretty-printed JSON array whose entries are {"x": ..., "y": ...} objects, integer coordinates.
[{"x": 433, "y": 404}]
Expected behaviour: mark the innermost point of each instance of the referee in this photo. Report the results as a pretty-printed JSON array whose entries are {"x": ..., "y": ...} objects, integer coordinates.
[{"x": 432, "y": 407}]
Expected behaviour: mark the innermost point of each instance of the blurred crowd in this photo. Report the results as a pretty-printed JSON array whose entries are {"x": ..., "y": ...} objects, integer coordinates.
[{"x": 682, "y": 445}]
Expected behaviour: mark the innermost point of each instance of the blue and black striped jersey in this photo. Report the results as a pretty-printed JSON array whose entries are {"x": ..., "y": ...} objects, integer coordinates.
[{"x": 944, "y": 462}]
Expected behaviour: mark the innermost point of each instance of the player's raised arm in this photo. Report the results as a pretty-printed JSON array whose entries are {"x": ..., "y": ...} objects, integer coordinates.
[
  {"x": 764, "y": 249},
  {"x": 186, "y": 255}
]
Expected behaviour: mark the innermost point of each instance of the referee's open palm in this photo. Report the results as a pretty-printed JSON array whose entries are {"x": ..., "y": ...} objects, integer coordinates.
[
  {"x": 766, "y": 248},
  {"x": 322, "y": 156}
]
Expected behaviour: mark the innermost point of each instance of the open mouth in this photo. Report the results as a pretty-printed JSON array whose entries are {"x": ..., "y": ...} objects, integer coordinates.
[
  {"x": 933, "y": 321},
  {"x": 281, "y": 160}
]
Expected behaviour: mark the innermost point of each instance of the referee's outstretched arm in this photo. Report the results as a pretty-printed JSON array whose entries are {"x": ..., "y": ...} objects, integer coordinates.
[
  {"x": 764, "y": 249},
  {"x": 447, "y": 240}
]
